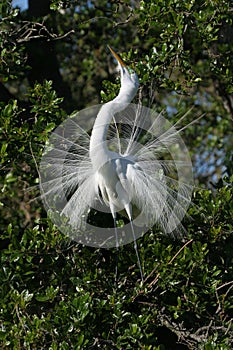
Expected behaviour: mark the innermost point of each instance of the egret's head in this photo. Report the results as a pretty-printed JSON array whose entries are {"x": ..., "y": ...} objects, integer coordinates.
[{"x": 129, "y": 78}]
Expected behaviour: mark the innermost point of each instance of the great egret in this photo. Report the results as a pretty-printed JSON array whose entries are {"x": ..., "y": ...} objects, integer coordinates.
[{"x": 116, "y": 173}]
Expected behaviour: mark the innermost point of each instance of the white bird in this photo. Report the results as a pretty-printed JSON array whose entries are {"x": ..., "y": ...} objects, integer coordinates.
[
  {"x": 113, "y": 171},
  {"x": 77, "y": 170}
]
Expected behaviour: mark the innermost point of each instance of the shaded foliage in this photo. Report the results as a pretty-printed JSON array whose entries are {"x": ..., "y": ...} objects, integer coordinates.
[{"x": 56, "y": 294}]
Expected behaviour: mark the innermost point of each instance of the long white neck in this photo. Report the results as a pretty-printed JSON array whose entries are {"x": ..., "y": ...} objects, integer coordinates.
[{"x": 99, "y": 152}]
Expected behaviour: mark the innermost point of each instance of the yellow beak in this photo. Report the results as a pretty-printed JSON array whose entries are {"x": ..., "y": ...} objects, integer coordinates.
[{"x": 119, "y": 60}]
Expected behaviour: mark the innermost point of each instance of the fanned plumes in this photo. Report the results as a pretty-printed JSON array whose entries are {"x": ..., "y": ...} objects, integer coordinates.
[
  {"x": 158, "y": 174},
  {"x": 133, "y": 162}
]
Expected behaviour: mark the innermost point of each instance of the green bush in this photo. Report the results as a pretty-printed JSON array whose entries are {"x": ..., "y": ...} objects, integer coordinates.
[{"x": 57, "y": 294}]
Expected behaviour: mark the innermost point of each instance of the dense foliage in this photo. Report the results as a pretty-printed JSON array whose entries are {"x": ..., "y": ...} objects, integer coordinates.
[{"x": 56, "y": 294}]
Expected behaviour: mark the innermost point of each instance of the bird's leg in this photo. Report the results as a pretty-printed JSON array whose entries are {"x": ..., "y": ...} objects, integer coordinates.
[
  {"x": 128, "y": 209},
  {"x": 136, "y": 250},
  {"x": 117, "y": 249},
  {"x": 112, "y": 208}
]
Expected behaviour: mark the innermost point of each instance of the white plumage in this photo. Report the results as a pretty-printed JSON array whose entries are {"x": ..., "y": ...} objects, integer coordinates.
[{"x": 134, "y": 161}]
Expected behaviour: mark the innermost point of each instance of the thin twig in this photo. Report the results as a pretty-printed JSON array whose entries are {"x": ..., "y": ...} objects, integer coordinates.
[
  {"x": 175, "y": 256},
  {"x": 224, "y": 285},
  {"x": 172, "y": 259},
  {"x": 34, "y": 159},
  {"x": 35, "y": 30}
]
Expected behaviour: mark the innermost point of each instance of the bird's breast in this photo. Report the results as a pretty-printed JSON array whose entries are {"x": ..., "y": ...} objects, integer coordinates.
[{"x": 113, "y": 181}]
